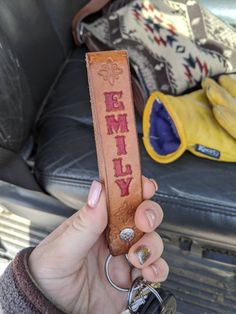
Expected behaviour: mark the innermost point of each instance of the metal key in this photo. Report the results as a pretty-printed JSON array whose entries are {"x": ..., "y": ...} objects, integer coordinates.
[{"x": 146, "y": 298}]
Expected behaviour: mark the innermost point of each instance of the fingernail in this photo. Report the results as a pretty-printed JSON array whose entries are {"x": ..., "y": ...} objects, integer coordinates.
[
  {"x": 143, "y": 253},
  {"x": 151, "y": 217},
  {"x": 154, "y": 183},
  {"x": 155, "y": 270},
  {"x": 94, "y": 194}
]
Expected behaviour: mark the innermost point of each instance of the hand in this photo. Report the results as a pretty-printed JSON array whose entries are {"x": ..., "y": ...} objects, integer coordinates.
[{"x": 69, "y": 264}]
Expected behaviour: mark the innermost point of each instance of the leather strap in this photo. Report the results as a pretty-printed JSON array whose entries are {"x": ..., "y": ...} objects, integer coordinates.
[
  {"x": 116, "y": 143},
  {"x": 91, "y": 7}
]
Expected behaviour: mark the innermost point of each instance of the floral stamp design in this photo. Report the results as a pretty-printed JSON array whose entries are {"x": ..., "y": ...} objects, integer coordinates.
[{"x": 110, "y": 71}]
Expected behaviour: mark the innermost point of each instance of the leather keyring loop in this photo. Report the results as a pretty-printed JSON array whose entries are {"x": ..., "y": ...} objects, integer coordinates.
[{"x": 116, "y": 144}]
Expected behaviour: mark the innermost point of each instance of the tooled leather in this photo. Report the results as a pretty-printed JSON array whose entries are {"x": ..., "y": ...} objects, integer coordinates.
[{"x": 116, "y": 142}]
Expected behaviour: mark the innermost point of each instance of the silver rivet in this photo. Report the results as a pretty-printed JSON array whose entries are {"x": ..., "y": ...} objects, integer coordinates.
[{"x": 127, "y": 234}]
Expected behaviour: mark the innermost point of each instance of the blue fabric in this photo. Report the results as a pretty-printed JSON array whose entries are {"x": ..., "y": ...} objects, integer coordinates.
[{"x": 164, "y": 137}]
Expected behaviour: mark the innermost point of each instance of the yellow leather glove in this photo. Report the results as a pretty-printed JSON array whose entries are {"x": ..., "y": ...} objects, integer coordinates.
[
  {"x": 172, "y": 124},
  {"x": 223, "y": 100}
]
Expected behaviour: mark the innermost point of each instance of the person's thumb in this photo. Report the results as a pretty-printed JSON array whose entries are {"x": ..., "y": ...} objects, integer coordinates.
[{"x": 87, "y": 225}]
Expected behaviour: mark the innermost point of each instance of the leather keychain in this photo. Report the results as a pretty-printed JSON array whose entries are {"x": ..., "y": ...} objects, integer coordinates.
[
  {"x": 119, "y": 170},
  {"x": 116, "y": 144}
]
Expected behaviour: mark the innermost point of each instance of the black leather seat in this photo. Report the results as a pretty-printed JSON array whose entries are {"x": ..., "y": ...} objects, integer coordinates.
[
  {"x": 47, "y": 154},
  {"x": 35, "y": 43}
]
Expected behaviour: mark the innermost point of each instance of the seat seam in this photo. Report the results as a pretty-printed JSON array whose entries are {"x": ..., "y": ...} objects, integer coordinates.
[{"x": 160, "y": 198}]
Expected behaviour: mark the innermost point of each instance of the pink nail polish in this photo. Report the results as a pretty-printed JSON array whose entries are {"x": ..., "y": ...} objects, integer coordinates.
[
  {"x": 94, "y": 194},
  {"x": 151, "y": 217},
  {"x": 154, "y": 183},
  {"x": 155, "y": 270}
]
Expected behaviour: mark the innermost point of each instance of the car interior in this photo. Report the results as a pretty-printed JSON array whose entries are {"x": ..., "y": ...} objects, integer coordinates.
[{"x": 48, "y": 158}]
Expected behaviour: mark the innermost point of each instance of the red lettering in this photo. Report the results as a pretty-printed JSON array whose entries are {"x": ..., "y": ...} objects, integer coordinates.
[
  {"x": 124, "y": 186},
  {"x": 120, "y": 144},
  {"x": 117, "y": 124},
  {"x": 112, "y": 101},
  {"x": 118, "y": 167}
]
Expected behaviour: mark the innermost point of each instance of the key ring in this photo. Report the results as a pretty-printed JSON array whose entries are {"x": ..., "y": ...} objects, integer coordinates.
[
  {"x": 107, "y": 272},
  {"x": 142, "y": 286},
  {"x": 133, "y": 288},
  {"x": 139, "y": 290}
]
